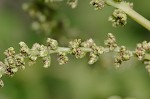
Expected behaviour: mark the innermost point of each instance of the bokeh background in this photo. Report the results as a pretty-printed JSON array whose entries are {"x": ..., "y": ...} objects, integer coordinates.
[{"x": 76, "y": 79}]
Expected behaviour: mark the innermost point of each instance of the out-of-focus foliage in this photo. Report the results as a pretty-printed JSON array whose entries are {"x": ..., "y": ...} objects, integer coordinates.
[{"x": 76, "y": 79}]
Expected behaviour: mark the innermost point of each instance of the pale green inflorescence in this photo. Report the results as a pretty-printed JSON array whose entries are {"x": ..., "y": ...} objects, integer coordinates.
[
  {"x": 111, "y": 42},
  {"x": 13, "y": 62},
  {"x": 75, "y": 46},
  {"x": 96, "y": 51},
  {"x": 46, "y": 61},
  {"x": 62, "y": 58},
  {"x": 52, "y": 44},
  {"x": 1, "y": 83},
  {"x": 118, "y": 18},
  {"x": 97, "y": 4},
  {"x": 44, "y": 13},
  {"x": 72, "y": 3},
  {"x": 123, "y": 55}
]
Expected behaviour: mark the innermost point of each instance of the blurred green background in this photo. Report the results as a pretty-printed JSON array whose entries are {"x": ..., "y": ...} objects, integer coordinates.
[{"x": 76, "y": 79}]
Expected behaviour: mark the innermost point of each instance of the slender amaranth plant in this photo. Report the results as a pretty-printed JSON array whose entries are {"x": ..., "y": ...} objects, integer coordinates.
[{"x": 14, "y": 61}]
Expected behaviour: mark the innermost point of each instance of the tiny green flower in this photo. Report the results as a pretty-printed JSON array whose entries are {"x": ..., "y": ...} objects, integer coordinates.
[
  {"x": 9, "y": 52},
  {"x": 89, "y": 43},
  {"x": 118, "y": 18},
  {"x": 72, "y": 3},
  {"x": 93, "y": 58},
  {"x": 47, "y": 61},
  {"x": 148, "y": 68},
  {"x": 140, "y": 51},
  {"x": 97, "y": 4},
  {"x": 98, "y": 50},
  {"x": 43, "y": 51},
  {"x": 24, "y": 50},
  {"x": 75, "y": 43},
  {"x": 2, "y": 68},
  {"x": 78, "y": 52},
  {"x": 52, "y": 44},
  {"x": 19, "y": 60},
  {"x": 110, "y": 42},
  {"x": 62, "y": 58},
  {"x": 1, "y": 83}
]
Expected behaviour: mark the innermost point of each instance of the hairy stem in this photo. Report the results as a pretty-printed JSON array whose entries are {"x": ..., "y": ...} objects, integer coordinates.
[{"x": 132, "y": 13}]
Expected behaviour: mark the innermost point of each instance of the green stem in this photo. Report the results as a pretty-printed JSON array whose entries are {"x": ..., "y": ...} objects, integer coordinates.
[
  {"x": 147, "y": 57},
  {"x": 67, "y": 50},
  {"x": 132, "y": 13}
]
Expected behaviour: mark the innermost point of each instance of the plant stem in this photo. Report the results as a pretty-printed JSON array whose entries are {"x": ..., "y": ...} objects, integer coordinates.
[
  {"x": 147, "y": 57},
  {"x": 66, "y": 49},
  {"x": 129, "y": 11}
]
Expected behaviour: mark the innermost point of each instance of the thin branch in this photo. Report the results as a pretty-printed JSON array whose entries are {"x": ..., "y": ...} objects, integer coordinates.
[{"x": 132, "y": 13}]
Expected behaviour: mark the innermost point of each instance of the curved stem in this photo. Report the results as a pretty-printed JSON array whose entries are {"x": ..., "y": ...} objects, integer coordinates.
[{"x": 132, "y": 13}]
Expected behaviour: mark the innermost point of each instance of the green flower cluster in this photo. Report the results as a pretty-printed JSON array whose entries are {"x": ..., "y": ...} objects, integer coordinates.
[
  {"x": 97, "y": 4},
  {"x": 118, "y": 18},
  {"x": 43, "y": 12},
  {"x": 76, "y": 47},
  {"x": 72, "y": 3}
]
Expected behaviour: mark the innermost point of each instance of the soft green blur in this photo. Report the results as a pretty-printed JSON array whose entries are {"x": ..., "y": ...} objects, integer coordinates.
[{"x": 76, "y": 79}]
